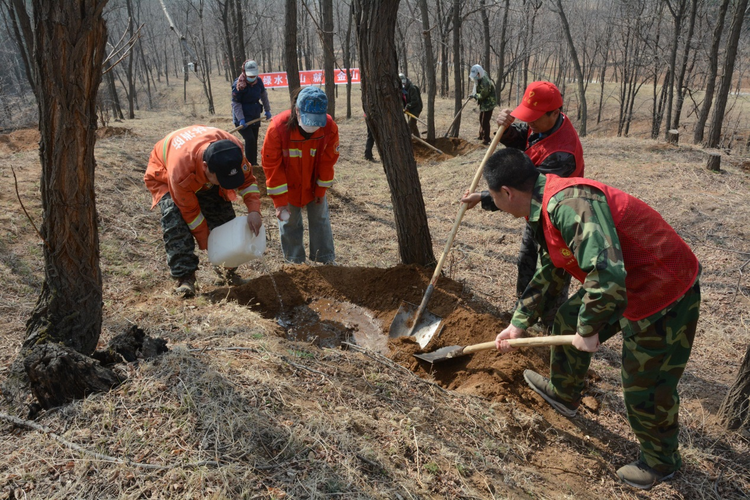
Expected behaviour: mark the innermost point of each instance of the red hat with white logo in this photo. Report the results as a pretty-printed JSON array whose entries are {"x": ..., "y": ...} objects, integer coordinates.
[{"x": 539, "y": 98}]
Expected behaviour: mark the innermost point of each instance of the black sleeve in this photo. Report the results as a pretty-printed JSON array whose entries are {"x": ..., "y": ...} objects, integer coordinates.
[
  {"x": 515, "y": 136},
  {"x": 487, "y": 203},
  {"x": 559, "y": 163}
]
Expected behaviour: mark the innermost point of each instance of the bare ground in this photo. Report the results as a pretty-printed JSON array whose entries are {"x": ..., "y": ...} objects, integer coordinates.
[{"x": 238, "y": 410}]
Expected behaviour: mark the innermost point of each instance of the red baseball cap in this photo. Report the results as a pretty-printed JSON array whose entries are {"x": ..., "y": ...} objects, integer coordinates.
[{"x": 539, "y": 98}]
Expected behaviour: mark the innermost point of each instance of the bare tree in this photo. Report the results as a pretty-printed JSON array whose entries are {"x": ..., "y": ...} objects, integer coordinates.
[
  {"x": 458, "y": 75},
  {"x": 576, "y": 65},
  {"x": 290, "y": 45},
  {"x": 725, "y": 83},
  {"x": 67, "y": 317},
  {"x": 381, "y": 92},
  {"x": 326, "y": 8},
  {"x": 735, "y": 409},
  {"x": 429, "y": 68},
  {"x": 713, "y": 70}
]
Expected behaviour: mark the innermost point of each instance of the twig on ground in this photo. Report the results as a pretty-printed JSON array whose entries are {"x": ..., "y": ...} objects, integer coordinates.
[{"x": 301, "y": 367}]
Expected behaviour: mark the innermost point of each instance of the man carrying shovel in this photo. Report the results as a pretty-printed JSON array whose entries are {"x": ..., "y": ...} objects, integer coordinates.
[
  {"x": 638, "y": 277},
  {"x": 547, "y": 137}
]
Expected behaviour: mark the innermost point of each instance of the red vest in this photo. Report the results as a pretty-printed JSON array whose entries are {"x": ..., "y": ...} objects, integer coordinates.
[
  {"x": 659, "y": 264},
  {"x": 564, "y": 139}
]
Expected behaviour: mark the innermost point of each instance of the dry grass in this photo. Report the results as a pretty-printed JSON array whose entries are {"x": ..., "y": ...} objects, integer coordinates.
[{"x": 235, "y": 411}]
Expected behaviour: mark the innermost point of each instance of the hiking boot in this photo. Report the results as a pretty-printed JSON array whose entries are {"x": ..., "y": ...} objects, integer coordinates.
[
  {"x": 541, "y": 385},
  {"x": 229, "y": 277},
  {"x": 640, "y": 475},
  {"x": 186, "y": 286}
]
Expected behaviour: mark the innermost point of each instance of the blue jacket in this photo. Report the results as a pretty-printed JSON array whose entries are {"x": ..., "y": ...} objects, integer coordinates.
[{"x": 246, "y": 103}]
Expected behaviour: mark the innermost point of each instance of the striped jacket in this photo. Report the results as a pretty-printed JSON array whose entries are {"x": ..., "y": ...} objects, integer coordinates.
[
  {"x": 176, "y": 167},
  {"x": 298, "y": 170}
]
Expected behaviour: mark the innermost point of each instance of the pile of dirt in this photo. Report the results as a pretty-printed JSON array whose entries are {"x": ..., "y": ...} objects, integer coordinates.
[
  {"x": 19, "y": 141},
  {"x": 327, "y": 305},
  {"x": 450, "y": 146}
]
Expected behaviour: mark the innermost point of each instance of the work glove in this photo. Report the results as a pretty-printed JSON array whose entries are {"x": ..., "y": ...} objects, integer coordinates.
[
  {"x": 268, "y": 115},
  {"x": 476, "y": 96},
  {"x": 242, "y": 123}
]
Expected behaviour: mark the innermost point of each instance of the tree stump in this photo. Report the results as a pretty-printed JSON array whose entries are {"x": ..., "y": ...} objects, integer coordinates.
[
  {"x": 58, "y": 375},
  {"x": 735, "y": 409},
  {"x": 673, "y": 136},
  {"x": 714, "y": 162}
]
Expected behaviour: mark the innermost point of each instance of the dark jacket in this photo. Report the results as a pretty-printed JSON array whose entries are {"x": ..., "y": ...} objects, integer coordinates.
[
  {"x": 246, "y": 103},
  {"x": 413, "y": 98}
]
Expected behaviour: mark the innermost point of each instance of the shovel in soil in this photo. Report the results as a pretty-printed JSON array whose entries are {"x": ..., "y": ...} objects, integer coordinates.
[
  {"x": 456, "y": 351},
  {"x": 409, "y": 322}
]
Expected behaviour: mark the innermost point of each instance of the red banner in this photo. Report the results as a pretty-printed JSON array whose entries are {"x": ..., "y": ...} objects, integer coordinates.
[{"x": 312, "y": 77}]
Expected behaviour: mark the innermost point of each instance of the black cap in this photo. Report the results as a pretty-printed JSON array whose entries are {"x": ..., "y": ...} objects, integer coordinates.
[{"x": 224, "y": 158}]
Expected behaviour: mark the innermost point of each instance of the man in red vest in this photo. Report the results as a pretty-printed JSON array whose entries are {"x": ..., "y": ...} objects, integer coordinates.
[
  {"x": 638, "y": 277},
  {"x": 548, "y": 137}
]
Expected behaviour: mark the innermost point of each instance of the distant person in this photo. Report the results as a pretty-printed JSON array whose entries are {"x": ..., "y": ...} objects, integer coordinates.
[
  {"x": 249, "y": 98},
  {"x": 547, "y": 137},
  {"x": 485, "y": 97},
  {"x": 193, "y": 174},
  {"x": 299, "y": 152},
  {"x": 369, "y": 144},
  {"x": 637, "y": 275},
  {"x": 412, "y": 98}
]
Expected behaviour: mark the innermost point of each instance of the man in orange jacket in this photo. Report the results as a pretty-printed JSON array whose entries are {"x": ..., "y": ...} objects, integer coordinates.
[
  {"x": 299, "y": 151},
  {"x": 192, "y": 175}
]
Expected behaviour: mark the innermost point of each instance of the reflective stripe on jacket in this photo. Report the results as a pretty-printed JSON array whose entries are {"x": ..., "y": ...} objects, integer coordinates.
[{"x": 298, "y": 170}]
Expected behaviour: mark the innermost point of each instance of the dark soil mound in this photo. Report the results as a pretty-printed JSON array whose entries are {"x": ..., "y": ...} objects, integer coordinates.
[
  {"x": 450, "y": 146},
  {"x": 329, "y": 301}
]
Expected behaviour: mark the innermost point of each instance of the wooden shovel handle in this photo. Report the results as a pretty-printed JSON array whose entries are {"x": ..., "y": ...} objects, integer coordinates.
[
  {"x": 524, "y": 342},
  {"x": 246, "y": 124}
]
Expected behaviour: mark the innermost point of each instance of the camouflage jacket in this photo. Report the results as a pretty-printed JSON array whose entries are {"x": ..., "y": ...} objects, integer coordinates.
[
  {"x": 486, "y": 94},
  {"x": 585, "y": 222}
]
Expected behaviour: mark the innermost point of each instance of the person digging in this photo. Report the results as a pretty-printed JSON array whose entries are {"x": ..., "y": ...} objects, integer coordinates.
[
  {"x": 194, "y": 174},
  {"x": 638, "y": 277}
]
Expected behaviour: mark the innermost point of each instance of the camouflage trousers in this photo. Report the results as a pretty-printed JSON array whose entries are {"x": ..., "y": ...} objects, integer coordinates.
[
  {"x": 527, "y": 262},
  {"x": 178, "y": 240},
  {"x": 654, "y": 356}
]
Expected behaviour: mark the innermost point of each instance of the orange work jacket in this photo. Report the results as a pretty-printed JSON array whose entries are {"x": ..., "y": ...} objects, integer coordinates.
[
  {"x": 176, "y": 167},
  {"x": 298, "y": 170}
]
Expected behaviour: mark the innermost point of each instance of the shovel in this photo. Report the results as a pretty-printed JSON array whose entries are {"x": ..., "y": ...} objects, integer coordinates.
[
  {"x": 246, "y": 124},
  {"x": 456, "y": 117},
  {"x": 409, "y": 323},
  {"x": 455, "y": 351}
]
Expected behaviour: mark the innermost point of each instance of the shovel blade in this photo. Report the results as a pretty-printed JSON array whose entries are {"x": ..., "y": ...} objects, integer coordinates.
[
  {"x": 442, "y": 354},
  {"x": 429, "y": 325}
]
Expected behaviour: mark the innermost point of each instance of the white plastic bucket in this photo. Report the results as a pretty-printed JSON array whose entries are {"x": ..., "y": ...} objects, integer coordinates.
[{"x": 233, "y": 243}]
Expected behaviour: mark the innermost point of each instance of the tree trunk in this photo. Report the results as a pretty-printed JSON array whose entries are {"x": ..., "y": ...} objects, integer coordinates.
[
  {"x": 486, "y": 33},
  {"x": 131, "y": 59},
  {"x": 381, "y": 90},
  {"x": 713, "y": 70},
  {"x": 683, "y": 65},
  {"x": 735, "y": 409},
  {"x": 458, "y": 96},
  {"x": 717, "y": 118},
  {"x": 678, "y": 13},
  {"x": 59, "y": 375},
  {"x": 239, "y": 35},
  {"x": 290, "y": 46},
  {"x": 69, "y": 308},
  {"x": 577, "y": 66},
  {"x": 348, "y": 62},
  {"x": 328, "y": 56},
  {"x": 430, "y": 69}
]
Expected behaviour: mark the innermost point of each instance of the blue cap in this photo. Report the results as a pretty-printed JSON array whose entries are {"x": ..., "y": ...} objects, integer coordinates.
[{"x": 313, "y": 104}]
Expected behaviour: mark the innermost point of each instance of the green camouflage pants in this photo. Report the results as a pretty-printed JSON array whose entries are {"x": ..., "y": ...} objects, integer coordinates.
[
  {"x": 654, "y": 356},
  {"x": 178, "y": 240}
]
